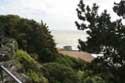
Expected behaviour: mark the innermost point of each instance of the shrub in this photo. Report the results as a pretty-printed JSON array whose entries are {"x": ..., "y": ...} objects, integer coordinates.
[
  {"x": 36, "y": 77},
  {"x": 59, "y": 73},
  {"x": 71, "y": 62},
  {"x": 30, "y": 66},
  {"x": 25, "y": 59}
]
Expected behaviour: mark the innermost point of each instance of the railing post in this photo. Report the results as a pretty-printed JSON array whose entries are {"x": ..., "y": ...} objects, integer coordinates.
[{"x": 9, "y": 73}]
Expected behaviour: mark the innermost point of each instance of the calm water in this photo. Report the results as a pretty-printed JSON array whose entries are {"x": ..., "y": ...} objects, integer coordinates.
[{"x": 70, "y": 38}]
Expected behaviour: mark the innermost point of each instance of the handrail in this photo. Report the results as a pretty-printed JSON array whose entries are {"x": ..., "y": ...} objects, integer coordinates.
[{"x": 10, "y": 74}]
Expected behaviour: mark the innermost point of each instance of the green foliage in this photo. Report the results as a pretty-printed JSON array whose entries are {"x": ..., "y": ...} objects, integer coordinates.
[
  {"x": 36, "y": 77},
  {"x": 119, "y": 8},
  {"x": 8, "y": 46},
  {"x": 94, "y": 80},
  {"x": 58, "y": 73},
  {"x": 105, "y": 37},
  {"x": 38, "y": 45},
  {"x": 77, "y": 64},
  {"x": 87, "y": 77},
  {"x": 30, "y": 66},
  {"x": 25, "y": 59},
  {"x": 31, "y": 36},
  {"x": 47, "y": 55}
]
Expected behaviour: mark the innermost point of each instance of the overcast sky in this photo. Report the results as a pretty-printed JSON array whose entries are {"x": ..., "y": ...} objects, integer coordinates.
[{"x": 58, "y": 14}]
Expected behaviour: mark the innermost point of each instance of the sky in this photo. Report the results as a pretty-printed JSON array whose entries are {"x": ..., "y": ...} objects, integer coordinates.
[{"x": 58, "y": 14}]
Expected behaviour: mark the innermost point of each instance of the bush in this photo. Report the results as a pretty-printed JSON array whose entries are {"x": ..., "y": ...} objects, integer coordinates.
[
  {"x": 86, "y": 77},
  {"x": 47, "y": 55},
  {"x": 30, "y": 66},
  {"x": 36, "y": 77},
  {"x": 59, "y": 73},
  {"x": 77, "y": 64},
  {"x": 26, "y": 60},
  {"x": 94, "y": 79}
]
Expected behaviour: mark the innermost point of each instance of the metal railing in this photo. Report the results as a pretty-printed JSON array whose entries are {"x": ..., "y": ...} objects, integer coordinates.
[{"x": 3, "y": 68}]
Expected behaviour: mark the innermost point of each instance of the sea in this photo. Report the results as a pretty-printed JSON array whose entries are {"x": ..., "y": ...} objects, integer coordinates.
[{"x": 68, "y": 38}]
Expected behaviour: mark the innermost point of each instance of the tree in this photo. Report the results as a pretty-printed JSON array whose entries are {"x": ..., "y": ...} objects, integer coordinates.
[
  {"x": 31, "y": 36},
  {"x": 105, "y": 37},
  {"x": 119, "y": 8}
]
